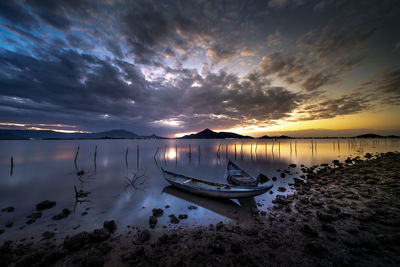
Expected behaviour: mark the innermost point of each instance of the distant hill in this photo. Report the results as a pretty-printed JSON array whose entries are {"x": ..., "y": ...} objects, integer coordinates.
[
  {"x": 46, "y": 134},
  {"x": 208, "y": 134},
  {"x": 369, "y": 136},
  {"x": 274, "y": 137}
]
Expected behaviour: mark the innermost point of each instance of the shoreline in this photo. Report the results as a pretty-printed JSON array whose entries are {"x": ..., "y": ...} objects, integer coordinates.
[{"x": 348, "y": 214}]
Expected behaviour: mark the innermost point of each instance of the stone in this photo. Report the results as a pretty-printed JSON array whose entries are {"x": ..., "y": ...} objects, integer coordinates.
[
  {"x": 152, "y": 222},
  {"x": 292, "y": 165},
  {"x": 167, "y": 206},
  {"x": 182, "y": 216},
  {"x": 8, "y": 209},
  {"x": 168, "y": 239},
  {"x": 77, "y": 241},
  {"x": 236, "y": 247},
  {"x": 47, "y": 204},
  {"x": 191, "y": 207},
  {"x": 99, "y": 235},
  {"x": 283, "y": 175},
  {"x": 48, "y": 235},
  {"x": 217, "y": 246},
  {"x": 36, "y": 215},
  {"x": 174, "y": 219},
  {"x": 308, "y": 231},
  {"x": 281, "y": 189},
  {"x": 144, "y": 236},
  {"x": 274, "y": 178},
  {"x": 157, "y": 212},
  {"x": 110, "y": 225}
]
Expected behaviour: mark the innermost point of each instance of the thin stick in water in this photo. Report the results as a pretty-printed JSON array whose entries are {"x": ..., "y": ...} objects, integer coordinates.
[
  {"x": 12, "y": 166},
  {"x": 76, "y": 156}
]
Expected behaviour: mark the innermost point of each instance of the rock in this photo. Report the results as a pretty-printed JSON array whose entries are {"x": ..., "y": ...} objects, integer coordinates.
[
  {"x": 8, "y": 209},
  {"x": 280, "y": 200},
  {"x": 191, "y": 207},
  {"x": 152, "y": 221},
  {"x": 182, "y": 216},
  {"x": 274, "y": 178},
  {"x": 84, "y": 213},
  {"x": 219, "y": 226},
  {"x": 1, "y": 231},
  {"x": 217, "y": 246},
  {"x": 36, "y": 215},
  {"x": 157, "y": 212},
  {"x": 335, "y": 162},
  {"x": 30, "y": 221},
  {"x": 328, "y": 228},
  {"x": 281, "y": 189},
  {"x": 77, "y": 241},
  {"x": 292, "y": 165},
  {"x": 99, "y": 235},
  {"x": 144, "y": 236},
  {"x": 315, "y": 248},
  {"x": 92, "y": 258},
  {"x": 236, "y": 247},
  {"x": 250, "y": 231},
  {"x": 368, "y": 156},
  {"x": 166, "y": 239},
  {"x": 47, "y": 204},
  {"x": 283, "y": 175},
  {"x": 323, "y": 217},
  {"x": 47, "y": 235},
  {"x": 167, "y": 206},
  {"x": 174, "y": 219},
  {"x": 262, "y": 178},
  {"x": 62, "y": 215},
  {"x": 308, "y": 231},
  {"x": 9, "y": 224},
  {"x": 110, "y": 225}
]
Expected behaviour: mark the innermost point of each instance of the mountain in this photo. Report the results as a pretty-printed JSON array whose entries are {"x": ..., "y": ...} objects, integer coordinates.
[
  {"x": 114, "y": 134},
  {"x": 47, "y": 134},
  {"x": 275, "y": 137},
  {"x": 370, "y": 136},
  {"x": 208, "y": 134}
]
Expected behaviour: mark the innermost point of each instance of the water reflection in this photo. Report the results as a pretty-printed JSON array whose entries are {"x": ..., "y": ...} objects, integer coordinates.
[{"x": 225, "y": 207}]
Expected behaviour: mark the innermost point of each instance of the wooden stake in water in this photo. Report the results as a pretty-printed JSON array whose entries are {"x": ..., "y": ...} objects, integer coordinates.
[
  {"x": 12, "y": 166},
  {"x": 126, "y": 157},
  {"x": 235, "y": 151},
  {"x": 76, "y": 156},
  {"x": 137, "y": 157},
  {"x": 95, "y": 159}
]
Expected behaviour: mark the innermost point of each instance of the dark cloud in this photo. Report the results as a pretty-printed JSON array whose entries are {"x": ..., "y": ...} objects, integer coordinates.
[
  {"x": 80, "y": 85},
  {"x": 329, "y": 108},
  {"x": 16, "y": 14}
]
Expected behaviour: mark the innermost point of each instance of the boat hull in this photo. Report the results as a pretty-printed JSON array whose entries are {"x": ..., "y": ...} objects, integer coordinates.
[
  {"x": 237, "y": 176},
  {"x": 210, "y": 189}
]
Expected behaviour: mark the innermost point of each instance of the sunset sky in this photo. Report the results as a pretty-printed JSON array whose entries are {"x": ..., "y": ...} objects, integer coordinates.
[{"x": 298, "y": 67}]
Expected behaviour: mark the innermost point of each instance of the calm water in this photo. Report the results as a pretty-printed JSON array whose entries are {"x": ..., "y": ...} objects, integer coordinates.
[{"x": 46, "y": 170}]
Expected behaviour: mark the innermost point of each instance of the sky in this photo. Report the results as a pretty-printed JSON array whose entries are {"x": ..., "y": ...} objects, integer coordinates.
[{"x": 298, "y": 67}]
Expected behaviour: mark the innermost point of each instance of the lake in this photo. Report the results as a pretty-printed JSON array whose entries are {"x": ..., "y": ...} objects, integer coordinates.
[{"x": 125, "y": 183}]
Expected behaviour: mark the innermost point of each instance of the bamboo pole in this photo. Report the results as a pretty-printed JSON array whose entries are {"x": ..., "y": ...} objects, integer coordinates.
[
  {"x": 12, "y": 166},
  {"x": 76, "y": 156}
]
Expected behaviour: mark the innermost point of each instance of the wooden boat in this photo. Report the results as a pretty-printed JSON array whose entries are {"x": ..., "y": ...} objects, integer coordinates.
[
  {"x": 237, "y": 176},
  {"x": 212, "y": 189}
]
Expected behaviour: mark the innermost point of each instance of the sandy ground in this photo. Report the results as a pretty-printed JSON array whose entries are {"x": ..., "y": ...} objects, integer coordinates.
[{"x": 346, "y": 214}]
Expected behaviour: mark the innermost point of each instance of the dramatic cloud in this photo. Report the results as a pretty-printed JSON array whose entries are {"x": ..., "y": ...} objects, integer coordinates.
[{"x": 179, "y": 66}]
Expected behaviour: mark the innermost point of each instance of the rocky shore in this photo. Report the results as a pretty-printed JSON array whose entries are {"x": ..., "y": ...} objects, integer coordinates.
[{"x": 341, "y": 214}]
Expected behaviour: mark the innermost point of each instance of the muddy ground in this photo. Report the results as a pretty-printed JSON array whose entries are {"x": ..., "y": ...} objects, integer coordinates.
[{"x": 343, "y": 214}]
